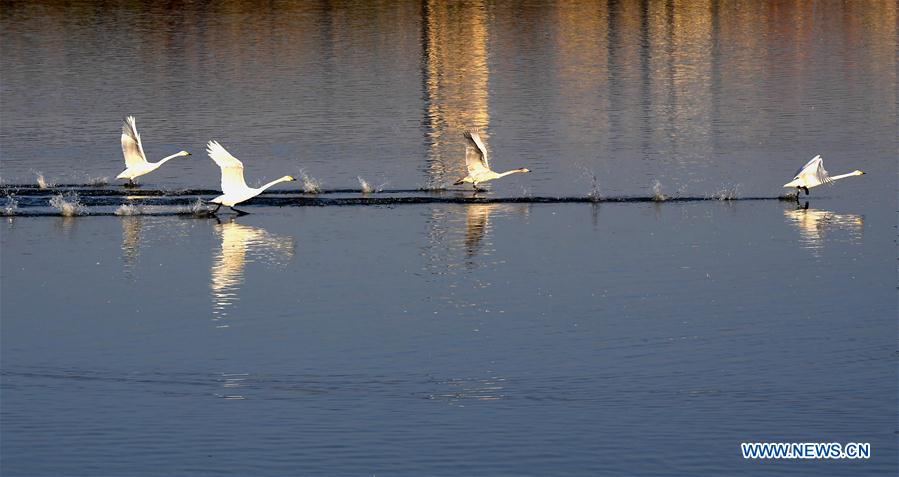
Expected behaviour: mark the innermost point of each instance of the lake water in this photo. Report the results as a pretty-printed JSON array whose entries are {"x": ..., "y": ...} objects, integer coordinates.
[{"x": 561, "y": 323}]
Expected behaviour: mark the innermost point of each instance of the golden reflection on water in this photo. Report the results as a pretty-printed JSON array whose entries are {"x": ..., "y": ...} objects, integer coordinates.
[
  {"x": 460, "y": 244},
  {"x": 466, "y": 229},
  {"x": 131, "y": 232},
  {"x": 814, "y": 225},
  {"x": 456, "y": 75},
  {"x": 477, "y": 224},
  {"x": 242, "y": 244}
]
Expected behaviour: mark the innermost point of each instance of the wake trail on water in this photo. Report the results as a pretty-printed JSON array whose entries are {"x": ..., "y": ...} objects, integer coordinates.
[
  {"x": 83, "y": 199},
  {"x": 70, "y": 204}
]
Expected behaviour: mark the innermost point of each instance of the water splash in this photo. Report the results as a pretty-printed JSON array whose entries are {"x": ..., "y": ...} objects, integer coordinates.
[
  {"x": 367, "y": 188},
  {"x": 97, "y": 181},
  {"x": 43, "y": 182},
  {"x": 364, "y": 186},
  {"x": 68, "y": 205},
  {"x": 12, "y": 204},
  {"x": 588, "y": 174},
  {"x": 434, "y": 184},
  {"x": 729, "y": 192},
  {"x": 311, "y": 185},
  {"x": 594, "y": 188},
  {"x": 198, "y": 208},
  {"x": 657, "y": 194},
  {"x": 129, "y": 209}
]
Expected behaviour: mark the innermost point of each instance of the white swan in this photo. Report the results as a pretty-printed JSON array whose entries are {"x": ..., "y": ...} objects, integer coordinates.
[
  {"x": 234, "y": 188},
  {"x": 812, "y": 174},
  {"x": 476, "y": 162},
  {"x": 136, "y": 163}
]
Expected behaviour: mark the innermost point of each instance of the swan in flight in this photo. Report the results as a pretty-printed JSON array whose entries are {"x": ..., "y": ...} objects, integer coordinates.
[
  {"x": 234, "y": 188},
  {"x": 136, "y": 163},
  {"x": 476, "y": 162},
  {"x": 812, "y": 174}
]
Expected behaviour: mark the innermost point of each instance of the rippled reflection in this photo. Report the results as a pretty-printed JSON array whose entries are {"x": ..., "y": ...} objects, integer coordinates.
[
  {"x": 456, "y": 391},
  {"x": 814, "y": 225},
  {"x": 455, "y": 76},
  {"x": 242, "y": 244},
  {"x": 131, "y": 232},
  {"x": 477, "y": 224},
  {"x": 231, "y": 384},
  {"x": 468, "y": 230}
]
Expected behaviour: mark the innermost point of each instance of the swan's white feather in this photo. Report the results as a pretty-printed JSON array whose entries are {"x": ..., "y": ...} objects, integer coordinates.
[
  {"x": 475, "y": 154},
  {"x": 233, "y": 182},
  {"x": 131, "y": 145},
  {"x": 813, "y": 173}
]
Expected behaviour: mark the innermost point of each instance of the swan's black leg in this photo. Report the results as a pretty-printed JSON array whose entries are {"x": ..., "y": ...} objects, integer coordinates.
[
  {"x": 239, "y": 212},
  {"x": 806, "y": 190},
  {"x": 217, "y": 207}
]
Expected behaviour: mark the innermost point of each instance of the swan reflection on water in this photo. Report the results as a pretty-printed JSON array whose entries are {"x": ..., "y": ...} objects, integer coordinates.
[
  {"x": 131, "y": 232},
  {"x": 447, "y": 236},
  {"x": 814, "y": 225},
  {"x": 242, "y": 244}
]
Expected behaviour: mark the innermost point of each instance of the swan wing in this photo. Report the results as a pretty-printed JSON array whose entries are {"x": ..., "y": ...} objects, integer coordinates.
[
  {"x": 821, "y": 174},
  {"x": 475, "y": 153},
  {"x": 808, "y": 165},
  {"x": 813, "y": 173},
  {"x": 131, "y": 146},
  {"x": 232, "y": 169}
]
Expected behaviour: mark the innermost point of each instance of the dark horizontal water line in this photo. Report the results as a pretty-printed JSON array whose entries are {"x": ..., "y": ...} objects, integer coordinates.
[
  {"x": 87, "y": 191},
  {"x": 26, "y": 203}
]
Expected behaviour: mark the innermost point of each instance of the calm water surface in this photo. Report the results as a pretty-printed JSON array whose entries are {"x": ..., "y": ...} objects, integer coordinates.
[{"x": 439, "y": 339}]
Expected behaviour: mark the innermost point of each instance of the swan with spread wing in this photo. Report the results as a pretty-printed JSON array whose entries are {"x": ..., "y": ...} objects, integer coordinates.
[
  {"x": 477, "y": 164},
  {"x": 136, "y": 163},
  {"x": 813, "y": 174},
  {"x": 234, "y": 188}
]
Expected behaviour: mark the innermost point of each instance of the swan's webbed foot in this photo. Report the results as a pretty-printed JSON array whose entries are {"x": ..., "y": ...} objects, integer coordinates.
[
  {"x": 216, "y": 209},
  {"x": 239, "y": 212},
  {"x": 131, "y": 184}
]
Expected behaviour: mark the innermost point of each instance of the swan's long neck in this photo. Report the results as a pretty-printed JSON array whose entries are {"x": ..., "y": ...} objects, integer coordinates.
[
  {"x": 843, "y": 176},
  {"x": 276, "y": 181},
  {"x": 504, "y": 174},
  {"x": 166, "y": 159}
]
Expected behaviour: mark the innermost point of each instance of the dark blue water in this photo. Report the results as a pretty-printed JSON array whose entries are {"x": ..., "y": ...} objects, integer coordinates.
[{"x": 430, "y": 332}]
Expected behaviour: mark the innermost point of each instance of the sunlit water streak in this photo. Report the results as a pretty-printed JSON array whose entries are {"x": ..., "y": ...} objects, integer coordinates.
[
  {"x": 814, "y": 225},
  {"x": 240, "y": 245}
]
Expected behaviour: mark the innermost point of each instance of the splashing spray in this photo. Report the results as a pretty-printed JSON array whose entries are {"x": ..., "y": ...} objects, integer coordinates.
[
  {"x": 311, "y": 185},
  {"x": 657, "y": 194},
  {"x": 43, "y": 182},
  {"x": 68, "y": 205}
]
